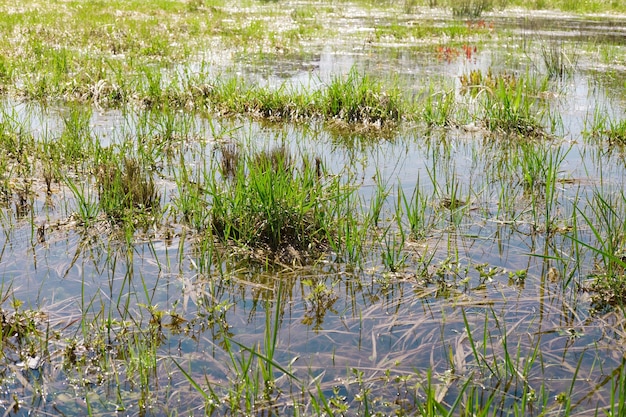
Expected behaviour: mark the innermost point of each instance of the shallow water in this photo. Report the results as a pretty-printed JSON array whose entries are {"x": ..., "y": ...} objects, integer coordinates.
[{"x": 385, "y": 325}]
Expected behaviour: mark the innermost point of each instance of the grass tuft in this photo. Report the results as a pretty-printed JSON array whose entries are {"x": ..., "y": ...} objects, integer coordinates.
[
  {"x": 359, "y": 99},
  {"x": 272, "y": 205},
  {"x": 125, "y": 186},
  {"x": 557, "y": 61},
  {"x": 616, "y": 133},
  {"x": 509, "y": 108},
  {"x": 470, "y": 8}
]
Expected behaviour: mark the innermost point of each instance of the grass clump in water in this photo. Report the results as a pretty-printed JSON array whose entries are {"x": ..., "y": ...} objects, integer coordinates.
[
  {"x": 616, "y": 133},
  {"x": 509, "y": 102},
  {"x": 475, "y": 81},
  {"x": 276, "y": 208},
  {"x": 124, "y": 187},
  {"x": 21, "y": 328},
  {"x": 470, "y": 8},
  {"x": 359, "y": 99},
  {"x": 558, "y": 62},
  {"x": 611, "y": 130},
  {"x": 510, "y": 106},
  {"x": 354, "y": 100},
  {"x": 605, "y": 219}
]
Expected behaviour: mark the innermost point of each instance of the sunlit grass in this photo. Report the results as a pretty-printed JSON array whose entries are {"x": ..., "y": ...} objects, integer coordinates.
[
  {"x": 214, "y": 250},
  {"x": 278, "y": 203}
]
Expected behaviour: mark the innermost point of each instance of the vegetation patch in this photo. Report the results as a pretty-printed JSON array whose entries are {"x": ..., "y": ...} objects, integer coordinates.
[
  {"x": 271, "y": 203},
  {"x": 311, "y": 208},
  {"x": 558, "y": 61},
  {"x": 509, "y": 102},
  {"x": 358, "y": 99},
  {"x": 470, "y": 8},
  {"x": 124, "y": 187}
]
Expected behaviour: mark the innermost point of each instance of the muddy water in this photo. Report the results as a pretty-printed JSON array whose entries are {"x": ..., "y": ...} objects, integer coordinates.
[{"x": 383, "y": 325}]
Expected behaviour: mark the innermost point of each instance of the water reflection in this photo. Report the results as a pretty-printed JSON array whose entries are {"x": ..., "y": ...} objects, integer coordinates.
[{"x": 492, "y": 290}]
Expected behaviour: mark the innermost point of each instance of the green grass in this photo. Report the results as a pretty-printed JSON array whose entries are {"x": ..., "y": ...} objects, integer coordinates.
[
  {"x": 208, "y": 261},
  {"x": 558, "y": 62},
  {"x": 276, "y": 203},
  {"x": 416, "y": 209},
  {"x": 438, "y": 107},
  {"x": 359, "y": 99},
  {"x": 509, "y": 108},
  {"x": 604, "y": 217},
  {"x": 606, "y": 128},
  {"x": 470, "y": 8},
  {"x": 124, "y": 185}
]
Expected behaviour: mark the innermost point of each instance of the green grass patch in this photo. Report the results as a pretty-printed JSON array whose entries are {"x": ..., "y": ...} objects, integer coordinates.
[
  {"x": 359, "y": 99},
  {"x": 288, "y": 210}
]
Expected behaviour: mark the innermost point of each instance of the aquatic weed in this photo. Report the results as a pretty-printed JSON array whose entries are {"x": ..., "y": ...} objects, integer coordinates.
[
  {"x": 557, "y": 61},
  {"x": 125, "y": 186},
  {"x": 273, "y": 204},
  {"x": 357, "y": 98}
]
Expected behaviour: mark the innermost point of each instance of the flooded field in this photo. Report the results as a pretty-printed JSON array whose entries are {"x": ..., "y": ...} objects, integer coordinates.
[{"x": 313, "y": 208}]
